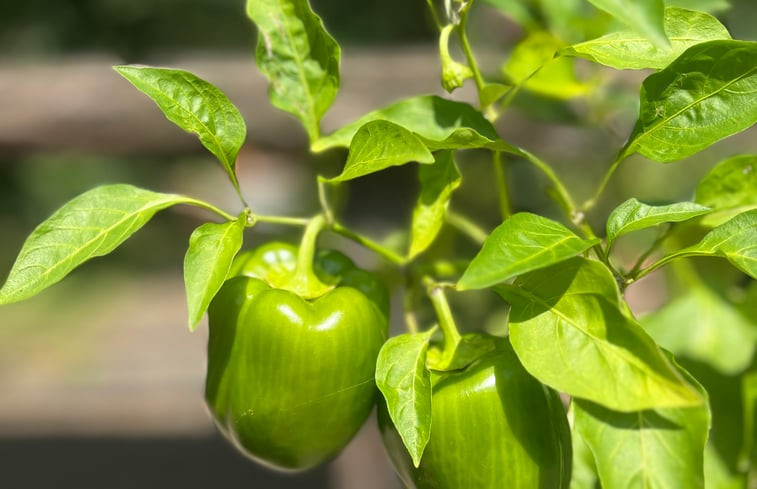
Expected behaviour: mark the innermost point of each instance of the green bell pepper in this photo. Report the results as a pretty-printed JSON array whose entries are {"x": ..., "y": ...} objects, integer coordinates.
[
  {"x": 290, "y": 376},
  {"x": 492, "y": 425}
]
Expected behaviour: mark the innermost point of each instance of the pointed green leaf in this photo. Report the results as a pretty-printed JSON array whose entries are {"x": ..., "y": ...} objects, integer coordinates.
[
  {"x": 90, "y": 225},
  {"x": 706, "y": 94},
  {"x": 403, "y": 379},
  {"x": 298, "y": 56},
  {"x": 379, "y": 145},
  {"x": 438, "y": 181},
  {"x": 195, "y": 106},
  {"x": 736, "y": 240},
  {"x": 627, "y": 50},
  {"x": 212, "y": 248},
  {"x": 643, "y": 16},
  {"x": 440, "y": 123},
  {"x": 650, "y": 449},
  {"x": 730, "y": 188},
  {"x": 522, "y": 243},
  {"x": 633, "y": 215},
  {"x": 572, "y": 332}
]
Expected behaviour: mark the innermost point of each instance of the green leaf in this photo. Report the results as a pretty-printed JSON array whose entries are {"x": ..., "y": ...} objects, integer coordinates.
[
  {"x": 653, "y": 449},
  {"x": 730, "y": 188},
  {"x": 381, "y": 144},
  {"x": 195, "y": 106},
  {"x": 298, "y": 56},
  {"x": 584, "y": 474},
  {"x": 90, "y": 225},
  {"x": 736, "y": 240},
  {"x": 432, "y": 118},
  {"x": 438, "y": 181},
  {"x": 533, "y": 65},
  {"x": 706, "y": 94},
  {"x": 402, "y": 378},
  {"x": 212, "y": 248},
  {"x": 633, "y": 215},
  {"x": 644, "y": 16},
  {"x": 702, "y": 325},
  {"x": 522, "y": 243},
  {"x": 570, "y": 330},
  {"x": 626, "y": 50}
]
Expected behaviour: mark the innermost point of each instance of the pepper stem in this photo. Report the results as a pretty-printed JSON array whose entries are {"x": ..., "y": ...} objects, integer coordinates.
[
  {"x": 304, "y": 282},
  {"x": 446, "y": 321}
]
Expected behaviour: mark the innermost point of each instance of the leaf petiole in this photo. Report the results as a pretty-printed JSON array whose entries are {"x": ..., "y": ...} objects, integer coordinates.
[
  {"x": 383, "y": 251},
  {"x": 466, "y": 226}
]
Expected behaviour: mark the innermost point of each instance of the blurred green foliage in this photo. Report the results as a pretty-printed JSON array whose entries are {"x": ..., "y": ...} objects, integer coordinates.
[{"x": 131, "y": 29}]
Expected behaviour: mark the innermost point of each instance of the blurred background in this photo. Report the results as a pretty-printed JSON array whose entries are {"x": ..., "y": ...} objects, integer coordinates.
[{"x": 100, "y": 382}]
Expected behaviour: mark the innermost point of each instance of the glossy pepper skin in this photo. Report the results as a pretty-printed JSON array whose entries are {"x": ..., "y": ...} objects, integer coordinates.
[
  {"x": 290, "y": 380},
  {"x": 493, "y": 426}
]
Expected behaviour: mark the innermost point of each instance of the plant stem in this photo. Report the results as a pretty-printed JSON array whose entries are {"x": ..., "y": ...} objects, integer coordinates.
[
  {"x": 565, "y": 200},
  {"x": 472, "y": 64},
  {"x": 589, "y": 204},
  {"x": 323, "y": 200},
  {"x": 408, "y": 304},
  {"x": 466, "y": 226},
  {"x": 284, "y": 220},
  {"x": 444, "y": 315},
  {"x": 434, "y": 15},
  {"x": 210, "y": 207},
  {"x": 642, "y": 258},
  {"x": 371, "y": 245},
  {"x": 499, "y": 174},
  {"x": 661, "y": 262},
  {"x": 305, "y": 282}
]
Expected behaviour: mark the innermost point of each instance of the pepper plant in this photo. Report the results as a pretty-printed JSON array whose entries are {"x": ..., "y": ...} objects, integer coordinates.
[{"x": 576, "y": 391}]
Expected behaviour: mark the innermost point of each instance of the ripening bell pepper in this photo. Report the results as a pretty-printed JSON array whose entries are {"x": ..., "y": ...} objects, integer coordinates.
[
  {"x": 492, "y": 425},
  {"x": 290, "y": 376}
]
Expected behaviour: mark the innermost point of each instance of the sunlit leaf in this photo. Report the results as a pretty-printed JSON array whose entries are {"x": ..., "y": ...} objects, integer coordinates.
[
  {"x": 402, "y": 378},
  {"x": 298, "y": 56},
  {"x": 522, "y": 243},
  {"x": 212, "y": 248},
  {"x": 653, "y": 448},
  {"x": 627, "y": 50},
  {"x": 736, "y": 240},
  {"x": 633, "y": 215},
  {"x": 438, "y": 181},
  {"x": 706, "y": 94},
  {"x": 380, "y": 144},
  {"x": 440, "y": 123},
  {"x": 195, "y": 106},
  {"x": 572, "y": 332},
  {"x": 90, "y": 225}
]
